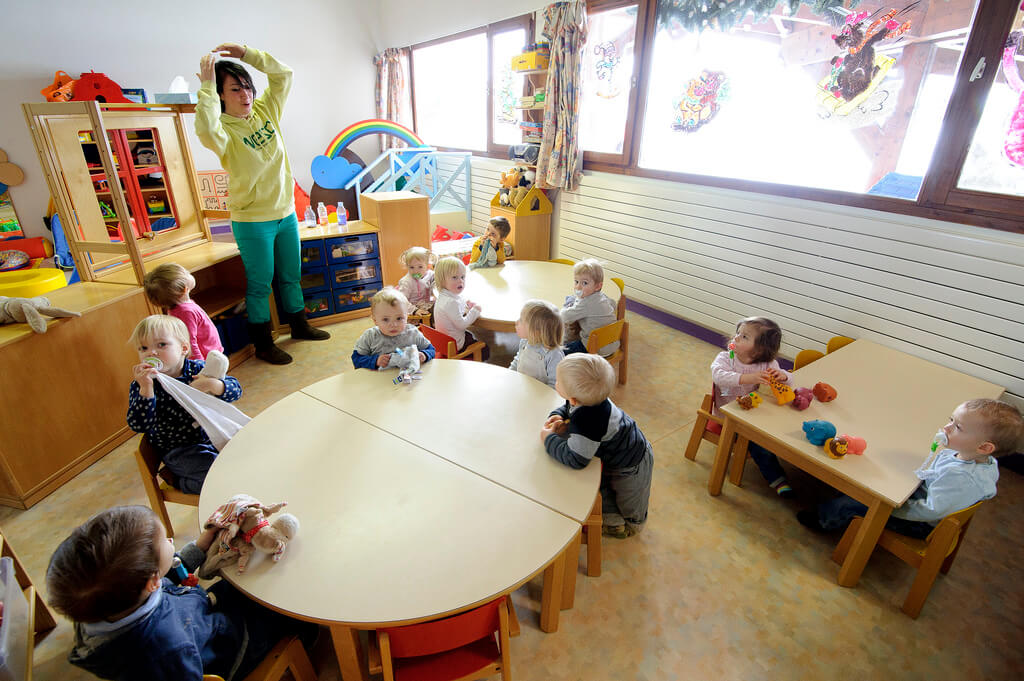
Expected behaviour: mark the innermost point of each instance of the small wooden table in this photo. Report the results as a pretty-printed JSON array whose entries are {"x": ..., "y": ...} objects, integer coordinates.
[
  {"x": 409, "y": 508},
  {"x": 502, "y": 290},
  {"x": 893, "y": 400}
]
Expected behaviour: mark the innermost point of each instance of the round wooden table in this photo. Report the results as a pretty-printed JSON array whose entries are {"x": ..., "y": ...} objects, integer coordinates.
[
  {"x": 415, "y": 501},
  {"x": 502, "y": 290}
]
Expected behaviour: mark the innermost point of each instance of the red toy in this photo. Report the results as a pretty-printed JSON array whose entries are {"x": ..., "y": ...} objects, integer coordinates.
[
  {"x": 92, "y": 85},
  {"x": 824, "y": 392}
]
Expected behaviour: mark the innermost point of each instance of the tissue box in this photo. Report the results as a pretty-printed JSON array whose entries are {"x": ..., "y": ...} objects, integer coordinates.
[{"x": 175, "y": 98}]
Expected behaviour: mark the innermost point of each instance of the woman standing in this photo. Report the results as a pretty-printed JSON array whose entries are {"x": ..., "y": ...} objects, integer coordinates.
[{"x": 245, "y": 133}]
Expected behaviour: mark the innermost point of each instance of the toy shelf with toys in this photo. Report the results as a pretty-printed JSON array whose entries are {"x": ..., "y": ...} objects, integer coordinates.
[{"x": 530, "y": 219}]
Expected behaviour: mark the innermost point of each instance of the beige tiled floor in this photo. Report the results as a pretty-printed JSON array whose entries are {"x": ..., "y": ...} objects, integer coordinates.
[{"x": 715, "y": 588}]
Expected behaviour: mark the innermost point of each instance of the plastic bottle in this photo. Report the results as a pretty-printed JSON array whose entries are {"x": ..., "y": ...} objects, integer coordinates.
[
  {"x": 342, "y": 214},
  {"x": 321, "y": 211},
  {"x": 310, "y": 217}
]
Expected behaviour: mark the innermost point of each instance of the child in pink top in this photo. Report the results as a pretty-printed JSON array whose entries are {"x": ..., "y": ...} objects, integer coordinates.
[
  {"x": 168, "y": 286},
  {"x": 738, "y": 371}
]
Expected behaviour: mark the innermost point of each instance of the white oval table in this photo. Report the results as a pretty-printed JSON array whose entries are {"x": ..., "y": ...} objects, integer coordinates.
[
  {"x": 502, "y": 290},
  {"x": 415, "y": 501}
]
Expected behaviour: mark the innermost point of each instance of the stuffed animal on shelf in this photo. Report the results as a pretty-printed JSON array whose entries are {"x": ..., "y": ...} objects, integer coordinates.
[
  {"x": 509, "y": 181},
  {"x": 526, "y": 179},
  {"x": 823, "y": 392},
  {"x": 31, "y": 311},
  {"x": 836, "y": 447},
  {"x": 782, "y": 392},
  {"x": 244, "y": 529},
  {"x": 750, "y": 400},
  {"x": 818, "y": 431},
  {"x": 854, "y": 445},
  {"x": 802, "y": 398}
]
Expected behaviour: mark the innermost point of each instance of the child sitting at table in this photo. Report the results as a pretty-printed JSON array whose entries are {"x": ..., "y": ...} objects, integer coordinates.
[
  {"x": 169, "y": 286},
  {"x": 163, "y": 344},
  {"x": 587, "y": 309},
  {"x": 540, "y": 336},
  {"x": 962, "y": 472},
  {"x": 417, "y": 284},
  {"x": 590, "y": 425},
  {"x": 491, "y": 249},
  {"x": 376, "y": 346},
  {"x": 738, "y": 371},
  {"x": 132, "y": 622},
  {"x": 452, "y": 313}
]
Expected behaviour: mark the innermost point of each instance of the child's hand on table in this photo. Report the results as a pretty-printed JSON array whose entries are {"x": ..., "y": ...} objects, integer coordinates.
[
  {"x": 556, "y": 424},
  {"x": 423, "y": 357},
  {"x": 382, "y": 360}
]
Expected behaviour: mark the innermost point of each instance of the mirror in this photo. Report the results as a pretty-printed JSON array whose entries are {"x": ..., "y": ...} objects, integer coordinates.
[{"x": 9, "y": 225}]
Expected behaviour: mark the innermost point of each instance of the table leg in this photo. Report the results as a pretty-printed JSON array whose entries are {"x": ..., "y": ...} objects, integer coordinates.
[
  {"x": 351, "y": 656},
  {"x": 738, "y": 461},
  {"x": 864, "y": 543},
  {"x": 721, "y": 457},
  {"x": 572, "y": 562},
  {"x": 551, "y": 594}
]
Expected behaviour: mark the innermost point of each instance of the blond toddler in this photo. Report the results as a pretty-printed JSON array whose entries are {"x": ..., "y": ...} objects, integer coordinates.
[
  {"x": 540, "y": 333},
  {"x": 417, "y": 284}
]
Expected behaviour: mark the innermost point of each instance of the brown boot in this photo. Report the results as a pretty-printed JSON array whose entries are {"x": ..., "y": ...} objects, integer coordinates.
[
  {"x": 264, "y": 344},
  {"x": 301, "y": 330}
]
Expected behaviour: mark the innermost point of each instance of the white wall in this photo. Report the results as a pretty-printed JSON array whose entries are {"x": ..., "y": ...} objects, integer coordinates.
[
  {"x": 406, "y": 22},
  {"x": 330, "y": 45}
]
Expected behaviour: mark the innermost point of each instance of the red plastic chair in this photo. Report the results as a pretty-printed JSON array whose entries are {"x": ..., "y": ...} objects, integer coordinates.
[
  {"x": 445, "y": 347},
  {"x": 462, "y": 646}
]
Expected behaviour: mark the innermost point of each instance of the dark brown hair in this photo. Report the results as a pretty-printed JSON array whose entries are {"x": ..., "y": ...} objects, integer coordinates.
[
  {"x": 501, "y": 225},
  {"x": 768, "y": 340},
  {"x": 224, "y": 68},
  {"x": 101, "y": 570}
]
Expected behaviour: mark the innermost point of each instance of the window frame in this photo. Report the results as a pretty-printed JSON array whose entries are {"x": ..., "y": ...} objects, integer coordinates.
[{"x": 525, "y": 22}]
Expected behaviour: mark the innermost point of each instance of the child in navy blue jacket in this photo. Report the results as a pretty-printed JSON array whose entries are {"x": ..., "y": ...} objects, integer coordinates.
[
  {"x": 131, "y": 622},
  {"x": 590, "y": 425}
]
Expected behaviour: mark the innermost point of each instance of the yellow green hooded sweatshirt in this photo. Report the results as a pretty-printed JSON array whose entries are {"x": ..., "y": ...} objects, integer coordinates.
[{"x": 260, "y": 185}]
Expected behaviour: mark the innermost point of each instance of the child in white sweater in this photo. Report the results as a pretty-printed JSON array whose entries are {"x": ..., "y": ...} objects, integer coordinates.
[
  {"x": 453, "y": 314},
  {"x": 540, "y": 334}
]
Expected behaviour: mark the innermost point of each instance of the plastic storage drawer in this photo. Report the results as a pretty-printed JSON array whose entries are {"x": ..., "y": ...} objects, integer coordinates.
[
  {"x": 314, "y": 279},
  {"x": 311, "y": 254},
  {"x": 342, "y": 249},
  {"x": 354, "y": 297},
  {"x": 319, "y": 303},
  {"x": 356, "y": 272}
]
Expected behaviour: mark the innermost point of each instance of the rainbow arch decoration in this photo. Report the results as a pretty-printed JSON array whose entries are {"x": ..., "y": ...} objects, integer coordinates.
[{"x": 372, "y": 126}]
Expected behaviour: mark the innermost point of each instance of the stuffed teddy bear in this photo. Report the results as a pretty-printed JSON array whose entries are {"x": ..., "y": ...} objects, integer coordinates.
[
  {"x": 244, "y": 529},
  {"x": 31, "y": 311},
  {"x": 509, "y": 181}
]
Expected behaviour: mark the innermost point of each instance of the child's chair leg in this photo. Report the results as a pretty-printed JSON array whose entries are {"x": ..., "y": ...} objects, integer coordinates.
[{"x": 696, "y": 437}]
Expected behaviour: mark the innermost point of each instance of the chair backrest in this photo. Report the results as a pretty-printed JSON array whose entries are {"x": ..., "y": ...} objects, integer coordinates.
[
  {"x": 963, "y": 517},
  {"x": 563, "y": 261},
  {"x": 805, "y": 357},
  {"x": 836, "y": 342},
  {"x": 449, "y": 633},
  {"x": 439, "y": 340},
  {"x": 620, "y": 309},
  {"x": 600, "y": 337}
]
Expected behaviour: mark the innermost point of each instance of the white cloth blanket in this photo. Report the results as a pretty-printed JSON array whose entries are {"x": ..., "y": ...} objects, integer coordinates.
[{"x": 219, "y": 419}]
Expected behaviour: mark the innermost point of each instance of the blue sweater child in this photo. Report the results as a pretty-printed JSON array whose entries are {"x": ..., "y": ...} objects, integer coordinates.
[{"x": 133, "y": 623}]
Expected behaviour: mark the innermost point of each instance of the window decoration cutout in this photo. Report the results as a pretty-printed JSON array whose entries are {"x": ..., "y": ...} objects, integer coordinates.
[
  {"x": 604, "y": 68},
  {"x": 723, "y": 15},
  {"x": 860, "y": 70},
  {"x": 507, "y": 99},
  {"x": 1013, "y": 143},
  {"x": 701, "y": 101}
]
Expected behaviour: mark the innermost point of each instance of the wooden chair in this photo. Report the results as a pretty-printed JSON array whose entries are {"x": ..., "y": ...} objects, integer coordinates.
[
  {"x": 460, "y": 647},
  {"x": 563, "y": 261},
  {"x": 836, "y": 342},
  {"x": 930, "y": 556},
  {"x": 706, "y": 427},
  {"x": 36, "y": 618},
  {"x": 157, "y": 490},
  {"x": 445, "y": 347},
  {"x": 609, "y": 333},
  {"x": 417, "y": 319},
  {"x": 620, "y": 309},
  {"x": 592, "y": 538},
  {"x": 287, "y": 655},
  {"x": 805, "y": 357}
]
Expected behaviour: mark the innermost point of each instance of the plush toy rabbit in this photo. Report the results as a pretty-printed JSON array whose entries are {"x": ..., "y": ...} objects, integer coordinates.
[
  {"x": 245, "y": 530},
  {"x": 31, "y": 311}
]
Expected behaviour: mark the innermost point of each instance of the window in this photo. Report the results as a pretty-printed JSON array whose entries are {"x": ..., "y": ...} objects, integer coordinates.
[{"x": 464, "y": 89}]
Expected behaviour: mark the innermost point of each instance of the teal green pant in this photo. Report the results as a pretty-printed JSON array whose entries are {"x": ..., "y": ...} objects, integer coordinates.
[{"x": 268, "y": 248}]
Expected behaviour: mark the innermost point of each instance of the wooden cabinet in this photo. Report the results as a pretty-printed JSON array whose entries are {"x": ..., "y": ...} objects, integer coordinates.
[
  {"x": 403, "y": 221},
  {"x": 532, "y": 111},
  {"x": 531, "y": 225}
]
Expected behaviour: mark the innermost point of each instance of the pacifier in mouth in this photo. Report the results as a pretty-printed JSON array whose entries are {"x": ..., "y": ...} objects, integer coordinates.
[
  {"x": 154, "y": 362},
  {"x": 940, "y": 440},
  {"x": 732, "y": 350}
]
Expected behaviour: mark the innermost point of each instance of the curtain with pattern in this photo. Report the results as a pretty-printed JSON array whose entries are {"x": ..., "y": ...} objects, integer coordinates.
[
  {"x": 560, "y": 165},
  {"x": 392, "y": 92}
]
